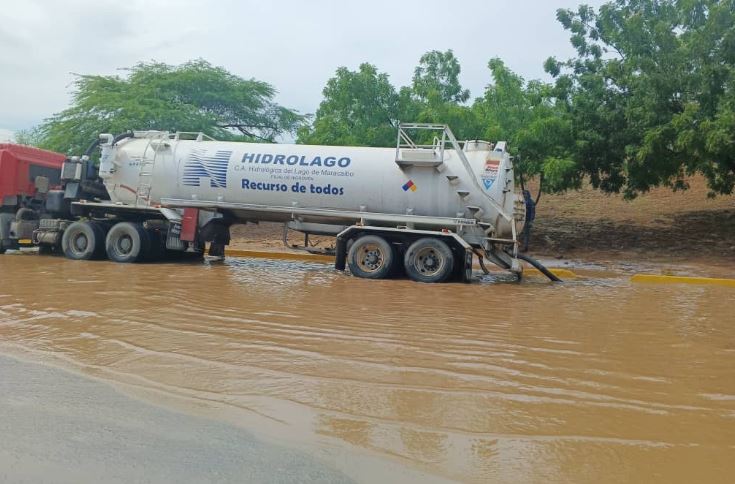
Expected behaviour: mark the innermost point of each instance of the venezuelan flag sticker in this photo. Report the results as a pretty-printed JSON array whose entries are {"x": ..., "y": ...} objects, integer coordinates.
[{"x": 410, "y": 185}]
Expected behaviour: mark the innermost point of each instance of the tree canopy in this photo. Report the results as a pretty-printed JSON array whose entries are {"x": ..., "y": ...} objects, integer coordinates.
[
  {"x": 194, "y": 96},
  {"x": 359, "y": 108},
  {"x": 438, "y": 74},
  {"x": 651, "y": 92}
]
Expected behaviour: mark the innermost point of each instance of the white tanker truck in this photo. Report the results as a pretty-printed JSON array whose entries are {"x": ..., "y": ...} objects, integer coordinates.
[{"x": 420, "y": 209}]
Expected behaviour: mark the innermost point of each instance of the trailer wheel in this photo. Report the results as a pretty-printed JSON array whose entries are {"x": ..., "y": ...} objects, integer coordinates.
[
  {"x": 83, "y": 241},
  {"x": 429, "y": 260},
  {"x": 127, "y": 242},
  {"x": 370, "y": 257}
]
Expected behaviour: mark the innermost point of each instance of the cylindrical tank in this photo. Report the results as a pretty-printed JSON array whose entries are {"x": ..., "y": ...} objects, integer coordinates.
[{"x": 439, "y": 183}]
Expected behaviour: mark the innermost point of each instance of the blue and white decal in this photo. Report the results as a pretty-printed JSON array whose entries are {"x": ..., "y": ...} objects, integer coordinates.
[{"x": 201, "y": 165}]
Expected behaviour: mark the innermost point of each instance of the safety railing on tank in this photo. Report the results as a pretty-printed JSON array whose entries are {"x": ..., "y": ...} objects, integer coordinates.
[{"x": 412, "y": 153}]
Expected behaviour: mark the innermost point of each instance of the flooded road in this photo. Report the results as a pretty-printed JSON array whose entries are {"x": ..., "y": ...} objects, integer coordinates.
[{"x": 594, "y": 380}]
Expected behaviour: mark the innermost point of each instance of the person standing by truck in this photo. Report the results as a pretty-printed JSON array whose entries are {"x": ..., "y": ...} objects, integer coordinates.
[{"x": 530, "y": 217}]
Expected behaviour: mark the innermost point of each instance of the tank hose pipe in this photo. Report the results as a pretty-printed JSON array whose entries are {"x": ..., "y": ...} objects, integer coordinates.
[
  {"x": 91, "y": 148},
  {"x": 481, "y": 260},
  {"x": 543, "y": 270},
  {"x": 122, "y": 136}
]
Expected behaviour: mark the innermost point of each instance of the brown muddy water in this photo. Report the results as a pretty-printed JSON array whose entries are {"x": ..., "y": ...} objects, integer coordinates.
[{"x": 594, "y": 380}]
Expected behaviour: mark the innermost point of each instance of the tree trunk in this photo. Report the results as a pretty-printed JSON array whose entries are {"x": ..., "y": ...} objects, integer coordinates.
[{"x": 540, "y": 187}]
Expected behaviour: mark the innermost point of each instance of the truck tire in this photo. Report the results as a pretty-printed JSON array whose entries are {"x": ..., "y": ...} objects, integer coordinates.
[
  {"x": 83, "y": 241},
  {"x": 127, "y": 242},
  {"x": 429, "y": 260},
  {"x": 370, "y": 257}
]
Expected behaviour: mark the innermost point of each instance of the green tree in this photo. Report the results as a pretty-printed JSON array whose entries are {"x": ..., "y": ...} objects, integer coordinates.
[
  {"x": 651, "y": 92},
  {"x": 438, "y": 75},
  {"x": 359, "y": 108},
  {"x": 532, "y": 120},
  {"x": 194, "y": 96},
  {"x": 436, "y": 96},
  {"x": 30, "y": 137},
  {"x": 363, "y": 108}
]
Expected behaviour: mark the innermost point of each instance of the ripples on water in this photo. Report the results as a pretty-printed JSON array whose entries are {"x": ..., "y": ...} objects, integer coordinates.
[{"x": 593, "y": 380}]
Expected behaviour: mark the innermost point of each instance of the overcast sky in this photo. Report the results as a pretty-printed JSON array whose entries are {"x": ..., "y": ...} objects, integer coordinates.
[{"x": 294, "y": 45}]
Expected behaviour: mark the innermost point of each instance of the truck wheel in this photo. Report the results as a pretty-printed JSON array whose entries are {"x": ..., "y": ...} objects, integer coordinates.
[
  {"x": 370, "y": 257},
  {"x": 83, "y": 241},
  {"x": 127, "y": 242},
  {"x": 429, "y": 260}
]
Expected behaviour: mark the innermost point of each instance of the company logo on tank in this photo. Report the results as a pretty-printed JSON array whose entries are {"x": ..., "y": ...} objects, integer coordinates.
[
  {"x": 200, "y": 165},
  {"x": 295, "y": 173},
  {"x": 303, "y": 160},
  {"x": 491, "y": 173}
]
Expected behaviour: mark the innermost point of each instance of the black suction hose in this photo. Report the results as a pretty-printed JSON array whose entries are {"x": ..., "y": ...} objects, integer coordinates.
[
  {"x": 540, "y": 267},
  {"x": 117, "y": 138},
  {"x": 90, "y": 166},
  {"x": 91, "y": 148},
  {"x": 122, "y": 136},
  {"x": 481, "y": 260}
]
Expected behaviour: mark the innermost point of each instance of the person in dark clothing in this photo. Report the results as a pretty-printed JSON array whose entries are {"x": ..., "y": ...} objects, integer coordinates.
[{"x": 530, "y": 216}]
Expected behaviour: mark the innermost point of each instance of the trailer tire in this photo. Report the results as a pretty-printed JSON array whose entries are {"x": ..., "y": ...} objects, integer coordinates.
[
  {"x": 127, "y": 242},
  {"x": 429, "y": 260},
  {"x": 370, "y": 257},
  {"x": 83, "y": 241}
]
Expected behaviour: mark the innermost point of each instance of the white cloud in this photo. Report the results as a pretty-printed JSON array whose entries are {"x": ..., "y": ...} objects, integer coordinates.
[
  {"x": 294, "y": 45},
  {"x": 6, "y": 135}
]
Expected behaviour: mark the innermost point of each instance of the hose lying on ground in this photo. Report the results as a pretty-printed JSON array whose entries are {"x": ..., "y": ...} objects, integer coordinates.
[{"x": 540, "y": 267}]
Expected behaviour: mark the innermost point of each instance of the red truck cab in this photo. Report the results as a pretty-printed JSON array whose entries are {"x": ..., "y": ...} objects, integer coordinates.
[
  {"x": 19, "y": 167},
  {"x": 26, "y": 176}
]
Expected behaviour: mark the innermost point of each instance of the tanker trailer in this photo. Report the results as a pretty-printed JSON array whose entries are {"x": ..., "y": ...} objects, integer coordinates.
[{"x": 420, "y": 208}]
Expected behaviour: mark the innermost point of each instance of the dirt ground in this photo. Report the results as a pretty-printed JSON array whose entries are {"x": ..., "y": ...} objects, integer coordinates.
[{"x": 661, "y": 225}]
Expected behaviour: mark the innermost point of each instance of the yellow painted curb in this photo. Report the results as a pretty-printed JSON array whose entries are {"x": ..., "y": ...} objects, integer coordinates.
[
  {"x": 560, "y": 273},
  {"x": 262, "y": 254},
  {"x": 683, "y": 280}
]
